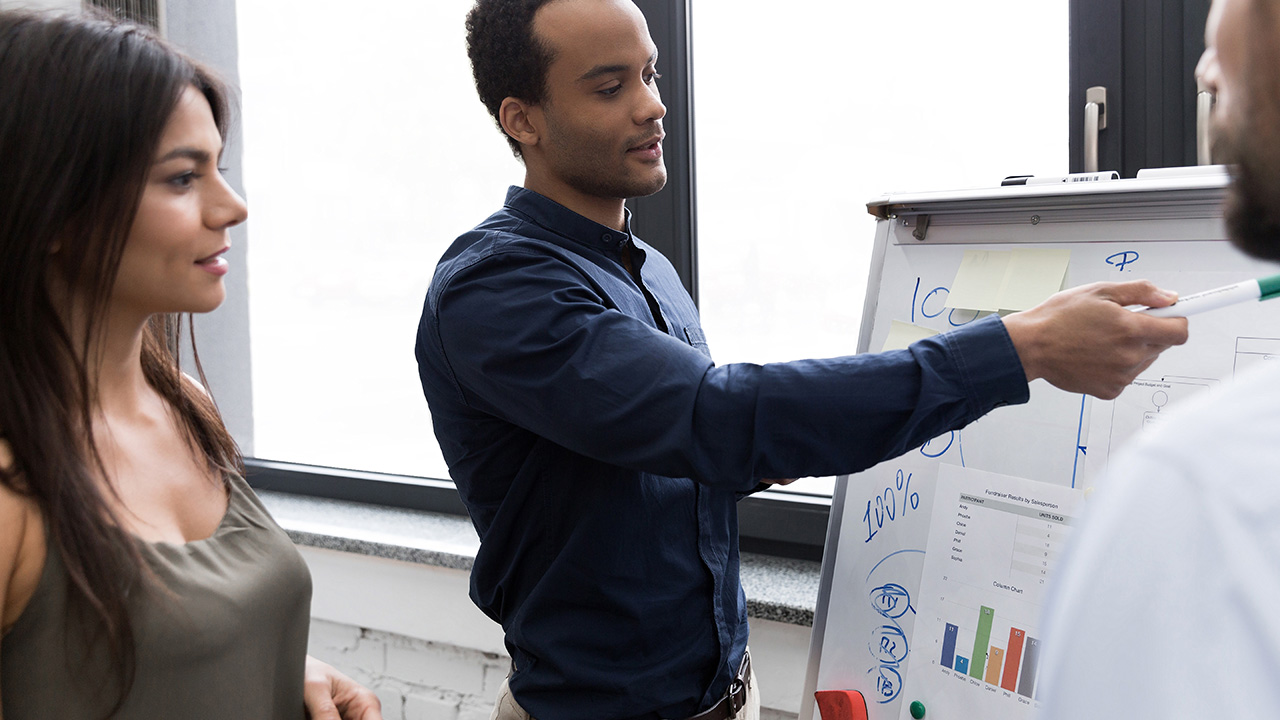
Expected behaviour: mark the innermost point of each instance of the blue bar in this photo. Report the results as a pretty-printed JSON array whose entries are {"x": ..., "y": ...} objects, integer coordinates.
[
  {"x": 962, "y": 665},
  {"x": 949, "y": 646}
]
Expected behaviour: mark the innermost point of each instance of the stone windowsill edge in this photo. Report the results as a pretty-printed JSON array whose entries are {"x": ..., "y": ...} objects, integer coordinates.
[{"x": 777, "y": 589}]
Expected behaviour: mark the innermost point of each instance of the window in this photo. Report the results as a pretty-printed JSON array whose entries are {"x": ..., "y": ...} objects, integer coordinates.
[
  {"x": 1144, "y": 55},
  {"x": 366, "y": 154},
  {"x": 362, "y": 165},
  {"x": 805, "y": 114}
]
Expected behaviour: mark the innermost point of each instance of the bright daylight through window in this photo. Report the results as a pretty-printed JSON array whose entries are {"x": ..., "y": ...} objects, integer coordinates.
[
  {"x": 367, "y": 153},
  {"x": 803, "y": 115}
]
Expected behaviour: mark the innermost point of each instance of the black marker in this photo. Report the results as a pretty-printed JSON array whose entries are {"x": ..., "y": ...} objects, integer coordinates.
[{"x": 1061, "y": 179}]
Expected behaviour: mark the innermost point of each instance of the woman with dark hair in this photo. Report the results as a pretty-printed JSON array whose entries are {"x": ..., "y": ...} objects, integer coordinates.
[{"x": 139, "y": 575}]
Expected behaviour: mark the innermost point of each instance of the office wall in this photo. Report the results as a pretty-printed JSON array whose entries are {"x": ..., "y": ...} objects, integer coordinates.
[
  {"x": 410, "y": 633},
  {"x": 415, "y": 679}
]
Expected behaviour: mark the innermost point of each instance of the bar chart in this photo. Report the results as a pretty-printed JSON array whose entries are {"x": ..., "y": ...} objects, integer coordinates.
[
  {"x": 1012, "y": 667},
  {"x": 994, "y": 543}
]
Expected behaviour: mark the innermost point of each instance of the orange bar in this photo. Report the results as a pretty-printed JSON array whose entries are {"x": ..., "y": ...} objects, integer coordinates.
[
  {"x": 1010, "y": 680},
  {"x": 994, "y": 664}
]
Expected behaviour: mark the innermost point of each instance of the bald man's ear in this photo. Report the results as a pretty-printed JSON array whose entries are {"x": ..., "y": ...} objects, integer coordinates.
[{"x": 520, "y": 120}]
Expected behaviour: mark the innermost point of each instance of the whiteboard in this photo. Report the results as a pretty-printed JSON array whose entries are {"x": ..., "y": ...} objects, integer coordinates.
[{"x": 1020, "y": 470}]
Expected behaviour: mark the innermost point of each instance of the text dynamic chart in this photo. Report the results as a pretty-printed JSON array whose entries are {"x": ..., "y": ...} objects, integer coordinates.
[{"x": 993, "y": 544}]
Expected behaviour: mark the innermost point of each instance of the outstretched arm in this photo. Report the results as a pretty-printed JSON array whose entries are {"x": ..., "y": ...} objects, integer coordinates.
[{"x": 520, "y": 340}]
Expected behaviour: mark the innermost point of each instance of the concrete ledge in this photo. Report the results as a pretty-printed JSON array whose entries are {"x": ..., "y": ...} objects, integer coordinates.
[{"x": 778, "y": 589}]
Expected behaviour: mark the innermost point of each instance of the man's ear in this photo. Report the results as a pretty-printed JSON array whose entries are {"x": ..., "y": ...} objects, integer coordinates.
[{"x": 520, "y": 120}]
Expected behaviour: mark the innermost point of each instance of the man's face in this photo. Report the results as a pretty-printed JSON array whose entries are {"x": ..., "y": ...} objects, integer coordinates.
[
  {"x": 1242, "y": 46},
  {"x": 602, "y": 118}
]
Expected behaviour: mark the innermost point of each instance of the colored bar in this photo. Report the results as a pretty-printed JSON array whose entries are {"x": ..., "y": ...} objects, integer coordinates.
[
  {"x": 962, "y": 665},
  {"x": 1027, "y": 685},
  {"x": 980, "y": 643},
  {"x": 994, "y": 664},
  {"x": 1010, "y": 679},
  {"x": 949, "y": 645}
]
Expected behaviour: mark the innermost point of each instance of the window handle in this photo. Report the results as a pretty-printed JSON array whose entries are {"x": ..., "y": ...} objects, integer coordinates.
[
  {"x": 1095, "y": 120},
  {"x": 1204, "y": 127}
]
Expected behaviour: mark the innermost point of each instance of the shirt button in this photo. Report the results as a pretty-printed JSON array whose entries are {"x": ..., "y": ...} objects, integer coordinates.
[{"x": 607, "y": 237}]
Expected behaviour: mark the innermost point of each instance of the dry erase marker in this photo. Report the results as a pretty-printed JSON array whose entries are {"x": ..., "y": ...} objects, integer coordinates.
[
  {"x": 1062, "y": 179},
  {"x": 1260, "y": 289}
]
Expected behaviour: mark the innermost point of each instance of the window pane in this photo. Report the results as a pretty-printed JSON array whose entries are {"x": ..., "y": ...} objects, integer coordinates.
[
  {"x": 366, "y": 154},
  {"x": 805, "y": 111}
]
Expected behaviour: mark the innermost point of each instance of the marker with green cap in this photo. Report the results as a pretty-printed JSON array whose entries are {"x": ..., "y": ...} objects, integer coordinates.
[{"x": 1260, "y": 289}]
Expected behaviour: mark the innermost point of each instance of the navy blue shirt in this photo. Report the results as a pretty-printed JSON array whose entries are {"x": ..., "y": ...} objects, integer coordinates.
[{"x": 600, "y": 452}]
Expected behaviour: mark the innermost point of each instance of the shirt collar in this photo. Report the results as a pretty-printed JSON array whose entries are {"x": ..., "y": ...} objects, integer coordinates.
[{"x": 561, "y": 220}]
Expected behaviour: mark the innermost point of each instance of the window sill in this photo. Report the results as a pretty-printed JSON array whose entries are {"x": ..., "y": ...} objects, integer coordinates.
[{"x": 778, "y": 589}]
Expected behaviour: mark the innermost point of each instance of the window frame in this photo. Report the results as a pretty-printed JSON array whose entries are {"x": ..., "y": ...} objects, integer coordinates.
[
  {"x": 667, "y": 220},
  {"x": 1145, "y": 53}
]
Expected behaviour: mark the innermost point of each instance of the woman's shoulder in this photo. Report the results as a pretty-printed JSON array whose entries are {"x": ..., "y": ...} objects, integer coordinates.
[
  {"x": 22, "y": 546},
  {"x": 17, "y": 511},
  {"x": 12, "y": 497}
]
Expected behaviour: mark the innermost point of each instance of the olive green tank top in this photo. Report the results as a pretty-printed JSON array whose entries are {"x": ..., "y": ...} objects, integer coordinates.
[{"x": 227, "y": 640}]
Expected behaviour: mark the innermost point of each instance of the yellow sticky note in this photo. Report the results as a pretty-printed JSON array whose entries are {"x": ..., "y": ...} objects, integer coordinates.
[
  {"x": 1033, "y": 275},
  {"x": 902, "y": 334},
  {"x": 978, "y": 282}
]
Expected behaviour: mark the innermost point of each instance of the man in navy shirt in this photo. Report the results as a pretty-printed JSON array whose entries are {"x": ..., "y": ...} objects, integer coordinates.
[{"x": 599, "y": 450}]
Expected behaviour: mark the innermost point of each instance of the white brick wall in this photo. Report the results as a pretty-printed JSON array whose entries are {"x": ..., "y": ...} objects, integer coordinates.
[
  {"x": 410, "y": 633},
  {"x": 414, "y": 679}
]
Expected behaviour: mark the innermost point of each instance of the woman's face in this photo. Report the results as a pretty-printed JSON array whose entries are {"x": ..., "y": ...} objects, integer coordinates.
[{"x": 173, "y": 259}]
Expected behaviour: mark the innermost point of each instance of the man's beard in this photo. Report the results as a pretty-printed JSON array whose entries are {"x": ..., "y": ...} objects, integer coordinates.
[{"x": 1252, "y": 206}]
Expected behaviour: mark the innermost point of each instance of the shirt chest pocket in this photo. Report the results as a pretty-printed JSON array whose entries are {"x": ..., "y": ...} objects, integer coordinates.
[{"x": 695, "y": 337}]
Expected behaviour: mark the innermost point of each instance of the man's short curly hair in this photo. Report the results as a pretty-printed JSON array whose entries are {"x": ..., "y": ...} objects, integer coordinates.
[{"x": 506, "y": 59}]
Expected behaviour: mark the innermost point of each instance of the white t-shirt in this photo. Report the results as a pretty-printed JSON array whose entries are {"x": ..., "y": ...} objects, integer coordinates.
[{"x": 1167, "y": 604}]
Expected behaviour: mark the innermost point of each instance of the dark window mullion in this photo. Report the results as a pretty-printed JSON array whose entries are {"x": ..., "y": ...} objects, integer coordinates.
[
  {"x": 665, "y": 220},
  {"x": 1144, "y": 52}
]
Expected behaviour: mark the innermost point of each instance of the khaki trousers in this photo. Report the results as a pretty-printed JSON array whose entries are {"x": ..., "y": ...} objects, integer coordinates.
[{"x": 508, "y": 709}]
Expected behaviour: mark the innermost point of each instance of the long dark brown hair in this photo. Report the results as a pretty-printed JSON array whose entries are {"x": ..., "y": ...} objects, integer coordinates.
[{"x": 84, "y": 101}]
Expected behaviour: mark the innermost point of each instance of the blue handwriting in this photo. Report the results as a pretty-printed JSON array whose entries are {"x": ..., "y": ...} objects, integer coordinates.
[
  {"x": 884, "y": 507},
  {"x": 1123, "y": 259}
]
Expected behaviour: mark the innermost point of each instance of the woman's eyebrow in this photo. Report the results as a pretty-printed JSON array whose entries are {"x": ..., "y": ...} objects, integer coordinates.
[{"x": 189, "y": 153}]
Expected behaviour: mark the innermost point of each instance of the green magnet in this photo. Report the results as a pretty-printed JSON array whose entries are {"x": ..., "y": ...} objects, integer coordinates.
[{"x": 917, "y": 709}]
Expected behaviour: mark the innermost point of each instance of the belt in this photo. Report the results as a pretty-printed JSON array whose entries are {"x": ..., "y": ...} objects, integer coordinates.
[{"x": 735, "y": 698}]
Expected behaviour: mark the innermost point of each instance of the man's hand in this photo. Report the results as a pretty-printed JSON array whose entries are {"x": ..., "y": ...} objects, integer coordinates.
[
  {"x": 330, "y": 695},
  {"x": 1084, "y": 340}
]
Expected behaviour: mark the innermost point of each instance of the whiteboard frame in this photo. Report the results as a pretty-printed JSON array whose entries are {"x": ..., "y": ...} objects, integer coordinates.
[{"x": 1161, "y": 209}]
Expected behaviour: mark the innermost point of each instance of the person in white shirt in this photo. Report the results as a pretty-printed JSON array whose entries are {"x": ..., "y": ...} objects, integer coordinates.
[{"x": 1166, "y": 606}]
